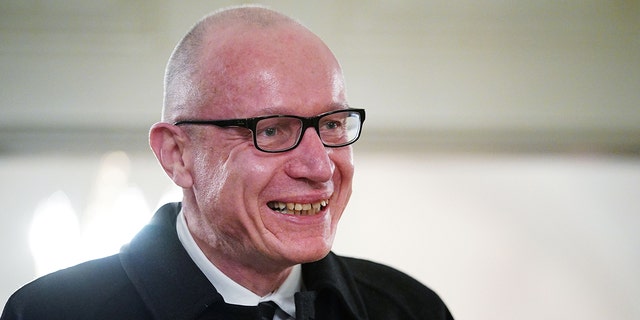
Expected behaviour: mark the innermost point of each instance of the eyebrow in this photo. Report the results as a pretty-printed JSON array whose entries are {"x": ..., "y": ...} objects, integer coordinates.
[{"x": 269, "y": 111}]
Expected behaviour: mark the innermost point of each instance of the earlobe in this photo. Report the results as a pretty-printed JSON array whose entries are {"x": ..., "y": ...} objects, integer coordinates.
[{"x": 168, "y": 144}]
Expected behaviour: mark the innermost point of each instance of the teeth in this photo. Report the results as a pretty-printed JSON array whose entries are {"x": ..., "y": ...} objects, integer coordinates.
[{"x": 301, "y": 209}]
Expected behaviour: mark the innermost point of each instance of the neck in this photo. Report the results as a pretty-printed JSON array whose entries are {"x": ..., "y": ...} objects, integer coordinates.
[
  {"x": 257, "y": 273},
  {"x": 258, "y": 276}
]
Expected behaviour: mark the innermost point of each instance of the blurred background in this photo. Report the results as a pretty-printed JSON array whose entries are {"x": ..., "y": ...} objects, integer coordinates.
[{"x": 500, "y": 162}]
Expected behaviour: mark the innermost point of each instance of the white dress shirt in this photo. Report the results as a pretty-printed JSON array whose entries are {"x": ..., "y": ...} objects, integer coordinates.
[{"x": 231, "y": 291}]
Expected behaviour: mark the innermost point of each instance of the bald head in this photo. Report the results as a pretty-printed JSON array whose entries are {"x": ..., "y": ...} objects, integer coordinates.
[
  {"x": 195, "y": 73},
  {"x": 246, "y": 63}
]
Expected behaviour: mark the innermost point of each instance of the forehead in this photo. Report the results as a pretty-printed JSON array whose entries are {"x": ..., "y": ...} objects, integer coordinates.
[{"x": 248, "y": 71}]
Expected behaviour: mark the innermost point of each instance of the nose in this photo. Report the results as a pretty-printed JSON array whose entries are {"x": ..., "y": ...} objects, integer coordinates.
[{"x": 310, "y": 160}]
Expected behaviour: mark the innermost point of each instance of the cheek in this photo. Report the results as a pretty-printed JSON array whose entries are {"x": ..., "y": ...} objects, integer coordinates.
[
  {"x": 258, "y": 168},
  {"x": 237, "y": 179},
  {"x": 343, "y": 175},
  {"x": 343, "y": 160},
  {"x": 209, "y": 175}
]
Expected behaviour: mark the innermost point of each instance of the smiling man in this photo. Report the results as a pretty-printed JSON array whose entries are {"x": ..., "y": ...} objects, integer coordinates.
[{"x": 256, "y": 130}]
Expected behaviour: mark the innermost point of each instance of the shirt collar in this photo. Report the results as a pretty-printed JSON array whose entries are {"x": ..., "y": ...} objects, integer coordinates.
[{"x": 231, "y": 291}]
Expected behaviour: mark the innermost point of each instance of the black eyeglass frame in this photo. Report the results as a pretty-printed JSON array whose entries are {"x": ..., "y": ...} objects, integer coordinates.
[{"x": 307, "y": 122}]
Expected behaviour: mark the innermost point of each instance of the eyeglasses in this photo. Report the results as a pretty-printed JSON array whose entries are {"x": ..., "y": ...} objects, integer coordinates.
[{"x": 280, "y": 133}]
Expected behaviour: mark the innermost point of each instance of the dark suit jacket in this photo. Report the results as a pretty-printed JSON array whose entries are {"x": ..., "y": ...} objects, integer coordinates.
[{"x": 153, "y": 277}]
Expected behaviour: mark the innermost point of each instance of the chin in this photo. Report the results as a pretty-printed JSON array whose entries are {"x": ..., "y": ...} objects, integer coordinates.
[{"x": 310, "y": 253}]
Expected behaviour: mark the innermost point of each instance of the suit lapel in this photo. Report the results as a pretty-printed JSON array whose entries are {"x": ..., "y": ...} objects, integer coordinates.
[{"x": 156, "y": 253}]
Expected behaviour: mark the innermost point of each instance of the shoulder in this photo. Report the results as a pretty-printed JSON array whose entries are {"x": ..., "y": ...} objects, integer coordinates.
[
  {"x": 79, "y": 280},
  {"x": 382, "y": 277},
  {"x": 80, "y": 291},
  {"x": 385, "y": 288}
]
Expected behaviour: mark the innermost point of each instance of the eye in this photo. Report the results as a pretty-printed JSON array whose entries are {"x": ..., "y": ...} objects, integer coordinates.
[
  {"x": 269, "y": 132},
  {"x": 332, "y": 125},
  {"x": 276, "y": 128}
]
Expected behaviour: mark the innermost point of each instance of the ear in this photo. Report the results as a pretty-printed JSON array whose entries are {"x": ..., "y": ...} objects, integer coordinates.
[{"x": 168, "y": 143}]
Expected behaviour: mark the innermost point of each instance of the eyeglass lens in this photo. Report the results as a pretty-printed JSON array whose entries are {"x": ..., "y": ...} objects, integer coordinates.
[{"x": 281, "y": 133}]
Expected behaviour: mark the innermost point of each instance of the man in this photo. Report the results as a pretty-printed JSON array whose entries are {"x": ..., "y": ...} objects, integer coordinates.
[{"x": 256, "y": 131}]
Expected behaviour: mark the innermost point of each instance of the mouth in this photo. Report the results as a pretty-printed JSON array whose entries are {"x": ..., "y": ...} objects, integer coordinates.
[{"x": 298, "y": 209}]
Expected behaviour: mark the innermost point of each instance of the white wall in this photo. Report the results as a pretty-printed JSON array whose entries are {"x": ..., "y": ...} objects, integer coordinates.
[{"x": 505, "y": 236}]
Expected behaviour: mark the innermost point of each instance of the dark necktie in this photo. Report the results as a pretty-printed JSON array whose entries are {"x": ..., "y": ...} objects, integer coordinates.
[{"x": 266, "y": 310}]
